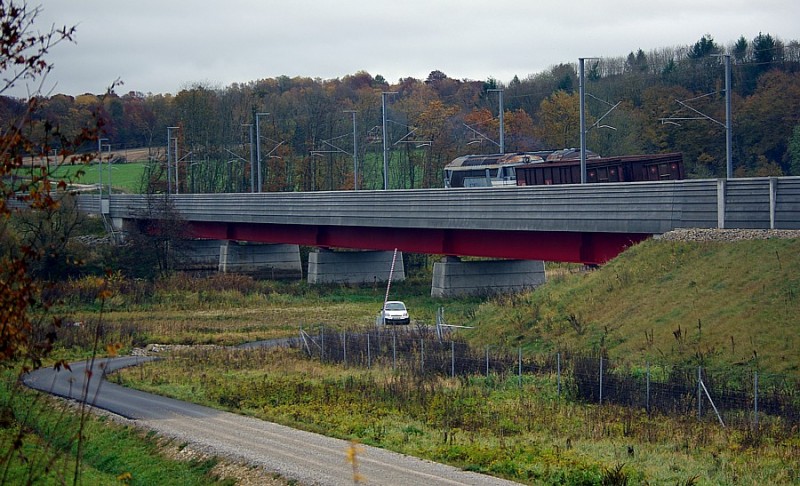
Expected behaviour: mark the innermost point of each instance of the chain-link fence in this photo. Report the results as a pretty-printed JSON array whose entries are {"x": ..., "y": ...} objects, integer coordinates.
[{"x": 732, "y": 397}]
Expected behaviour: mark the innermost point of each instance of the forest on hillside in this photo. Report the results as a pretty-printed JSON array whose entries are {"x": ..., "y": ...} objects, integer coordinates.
[{"x": 306, "y": 128}]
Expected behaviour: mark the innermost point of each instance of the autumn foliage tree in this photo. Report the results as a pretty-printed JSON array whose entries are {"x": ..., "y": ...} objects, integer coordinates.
[
  {"x": 26, "y": 164},
  {"x": 559, "y": 120}
]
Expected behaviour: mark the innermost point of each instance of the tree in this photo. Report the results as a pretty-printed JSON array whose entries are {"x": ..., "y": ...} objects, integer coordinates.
[
  {"x": 703, "y": 48},
  {"x": 767, "y": 52},
  {"x": 740, "y": 50},
  {"x": 519, "y": 132},
  {"x": 559, "y": 120},
  {"x": 636, "y": 62},
  {"x": 433, "y": 122},
  {"x": 767, "y": 119},
  {"x": 30, "y": 150},
  {"x": 436, "y": 76},
  {"x": 794, "y": 152},
  {"x": 704, "y": 66},
  {"x": 23, "y": 59},
  {"x": 47, "y": 233}
]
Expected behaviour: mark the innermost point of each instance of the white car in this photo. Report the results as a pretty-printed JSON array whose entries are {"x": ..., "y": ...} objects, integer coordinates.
[{"x": 395, "y": 312}]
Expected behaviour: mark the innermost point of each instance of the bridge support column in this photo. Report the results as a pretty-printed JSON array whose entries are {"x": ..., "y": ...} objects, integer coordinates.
[
  {"x": 273, "y": 261},
  {"x": 453, "y": 277},
  {"x": 325, "y": 266},
  {"x": 198, "y": 255}
]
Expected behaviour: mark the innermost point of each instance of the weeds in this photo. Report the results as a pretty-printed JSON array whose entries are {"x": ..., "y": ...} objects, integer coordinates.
[{"x": 522, "y": 434}]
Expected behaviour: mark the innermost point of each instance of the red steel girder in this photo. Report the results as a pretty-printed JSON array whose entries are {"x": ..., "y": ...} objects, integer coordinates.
[{"x": 588, "y": 248}]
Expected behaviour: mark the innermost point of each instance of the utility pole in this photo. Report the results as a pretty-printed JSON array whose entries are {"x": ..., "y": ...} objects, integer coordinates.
[
  {"x": 728, "y": 125},
  {"x": 355, "y": 150},
  {"x": 100, "y": 169},
  {"x": 582, "y": 93},
  {"x": 169, "y": 162},
  {"x": 728, "y": 131},
  {"x": 253, "y": 176},
  {"x": 258, "y": 150},
  {"x": 177, "y": 160},
  {"x": 502, "y": 124},
  {"x": 385, "y": 146}
]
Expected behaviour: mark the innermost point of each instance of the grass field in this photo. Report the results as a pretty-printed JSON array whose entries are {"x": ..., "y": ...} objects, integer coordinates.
[
  {"x": 125, "y": 178},
  {"x": 744, "y": 296},
  {"x": 734, "y": 304},
  {"x": 486, "y": 424},
  {"x": 489, "y": 424}
]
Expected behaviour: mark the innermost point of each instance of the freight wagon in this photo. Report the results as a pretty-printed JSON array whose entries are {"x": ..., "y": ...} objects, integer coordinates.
[{"x": 630, "y": 168}]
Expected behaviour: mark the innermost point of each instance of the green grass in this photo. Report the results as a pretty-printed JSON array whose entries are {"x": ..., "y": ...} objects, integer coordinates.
[
  {"x": 230, "y": 310},
  {"x": 112, "y": 453},
  {"x": 727, "y": 299},
  {"x": 125, "y": 178},
  {"x": 485, "y": 424},
  {"x": 735, "y": 304}
]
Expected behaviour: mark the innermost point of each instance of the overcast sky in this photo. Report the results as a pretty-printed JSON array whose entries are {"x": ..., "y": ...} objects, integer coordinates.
[{"x": 167, "y": 45}]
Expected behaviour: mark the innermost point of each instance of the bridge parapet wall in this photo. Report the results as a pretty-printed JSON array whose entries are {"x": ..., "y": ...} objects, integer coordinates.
[{"x": 642, "y": 207}]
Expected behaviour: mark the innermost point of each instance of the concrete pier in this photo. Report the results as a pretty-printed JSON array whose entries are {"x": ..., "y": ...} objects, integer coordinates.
[
  {"x": 272, "y": 261},
  {"x": 198, "y": 255},
  {"x": 453, "y": 277},
  {"x": 325, "y": 266}
]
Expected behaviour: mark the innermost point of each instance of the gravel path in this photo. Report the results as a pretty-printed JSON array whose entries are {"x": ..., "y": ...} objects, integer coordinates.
[{"x": 302, "y": 457}]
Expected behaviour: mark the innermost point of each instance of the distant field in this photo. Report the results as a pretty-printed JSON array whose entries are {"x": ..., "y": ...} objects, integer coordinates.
[{"x": 124, "y": 177}]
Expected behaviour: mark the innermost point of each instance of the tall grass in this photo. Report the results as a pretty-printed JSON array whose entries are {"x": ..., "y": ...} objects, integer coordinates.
[
  {"x": 487, "y": 424},
  {"x": 734, "y": 304},
  {"x": 228, "y": 309}
]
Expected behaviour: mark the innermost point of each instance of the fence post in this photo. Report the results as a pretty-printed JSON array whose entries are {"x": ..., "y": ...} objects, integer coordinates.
[
  {"x": 519, "y": 365},
  {"x": 394, "y": 351},
  {"x": 601, "y": 380},
  {"x": 647, "y": 400},
  {"x": 558, "y": 371},
  {"x": 322, "y": 344},
  {"x": 699, "y": 392},
  {"x": 487, "y": 361},
  {"x": 755, "y": 398},
  {"x": 452, "y": 359},
  {"x": 714, "y": 407},
  {"x": 421, "y": 356},
  {"x": 369, "y": 354},
  {"x": 344, "y": 348}
]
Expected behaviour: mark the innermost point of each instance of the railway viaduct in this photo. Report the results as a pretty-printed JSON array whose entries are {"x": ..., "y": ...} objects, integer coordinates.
[{"x": 522, "y": 226}]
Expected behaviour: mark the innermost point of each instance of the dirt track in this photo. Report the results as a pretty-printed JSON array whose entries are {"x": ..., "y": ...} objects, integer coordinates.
[{"x": 298, "y": 456}]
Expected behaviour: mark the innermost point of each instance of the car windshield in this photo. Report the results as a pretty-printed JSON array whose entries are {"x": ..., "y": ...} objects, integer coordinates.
[{"x": 395, "y": 306}]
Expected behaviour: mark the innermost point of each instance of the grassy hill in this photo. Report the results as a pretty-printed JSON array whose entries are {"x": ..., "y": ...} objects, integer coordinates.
[{"x": 726, "y": 303}]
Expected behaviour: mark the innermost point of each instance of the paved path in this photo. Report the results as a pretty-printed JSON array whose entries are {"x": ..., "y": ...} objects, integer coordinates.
[{"x": 302, "y": 456}]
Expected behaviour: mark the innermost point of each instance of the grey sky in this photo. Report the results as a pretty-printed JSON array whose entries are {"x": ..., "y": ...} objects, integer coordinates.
[{"x": 164, "y": 46}]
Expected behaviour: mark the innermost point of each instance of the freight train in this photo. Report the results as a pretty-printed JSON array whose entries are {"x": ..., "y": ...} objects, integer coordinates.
[{"x": 559, "y": 167}]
